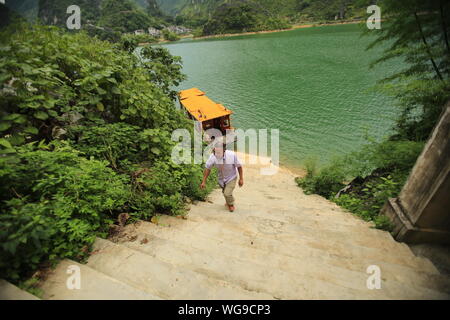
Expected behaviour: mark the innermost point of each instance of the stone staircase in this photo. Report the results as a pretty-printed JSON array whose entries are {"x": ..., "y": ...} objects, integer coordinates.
[
  {"x": 11, "y": 292},
  {"x": 279, "y": 244}
]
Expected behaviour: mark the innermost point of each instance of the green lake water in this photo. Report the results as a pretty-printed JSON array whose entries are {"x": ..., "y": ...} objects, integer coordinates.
[{"x": 312, "y": 84}]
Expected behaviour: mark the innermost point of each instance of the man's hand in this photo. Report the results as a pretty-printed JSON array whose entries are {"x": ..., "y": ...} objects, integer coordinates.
[
  {"x": 205, "y": 178},
  {"x": 241, "y": 177}
]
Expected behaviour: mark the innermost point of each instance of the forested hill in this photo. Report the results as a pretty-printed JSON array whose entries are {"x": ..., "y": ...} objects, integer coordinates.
[
  {"x": 206, "y": 16},
  {"x": 118, "y": 15},
  {"x": 293, "y": 9}
]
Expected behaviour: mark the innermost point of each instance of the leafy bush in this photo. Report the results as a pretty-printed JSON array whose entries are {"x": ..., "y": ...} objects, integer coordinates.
[
  {"x": 422, "y": 87},
  {"x": 368, "y": 202},
  {"x": 170, "y": 184},
  {"x": 54, "y": 203},
  {"x": 393, "y": 156},
  {"x": 327, "y": 182},
  {"x": 49, "y": 77},
  {"x": 130, "y": 42},
  {"x": 85, "y": 134},
  {"x": 121, "y": 144},
  {"x": 382, "y": 169},
  {"x": 163, "y": 68},
  {"x": 170, "y": 36}
]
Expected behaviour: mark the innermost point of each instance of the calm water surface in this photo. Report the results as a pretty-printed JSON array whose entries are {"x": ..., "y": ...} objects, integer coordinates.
[{"x": 314, "y": 85}]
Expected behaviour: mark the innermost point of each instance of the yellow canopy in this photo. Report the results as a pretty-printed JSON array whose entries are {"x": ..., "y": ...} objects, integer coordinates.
[{"x": 201, "y": 107}]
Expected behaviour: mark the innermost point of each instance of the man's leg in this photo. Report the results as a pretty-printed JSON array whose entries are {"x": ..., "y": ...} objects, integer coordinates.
[{"x": 228, "y": 192}]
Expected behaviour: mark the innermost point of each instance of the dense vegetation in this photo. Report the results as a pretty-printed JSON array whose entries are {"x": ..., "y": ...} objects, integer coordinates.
[
  {"x": 106, "y": 19},
  {"x": 418, "y": 32},
  {"x": 209, "y": 15},
  {"x": 85, "y": 135},
  {"x": 241, "y": 17},
  {"x": 118, "y": 15}
]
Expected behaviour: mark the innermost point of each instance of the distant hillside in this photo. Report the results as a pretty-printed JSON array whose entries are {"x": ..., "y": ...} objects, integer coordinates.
[
  {"x": 233, "y": 16},
  {"x": 150, "y": 6},
  {"x": 296, "y": 10},
  {"x": 172, "y": 7},
  {"x": 119, "y": 15},
  {"x": 242, "y": 16}
]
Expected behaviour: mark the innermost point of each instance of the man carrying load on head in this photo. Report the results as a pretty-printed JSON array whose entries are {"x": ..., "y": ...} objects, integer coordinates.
[{"x": 228, "y": 165}]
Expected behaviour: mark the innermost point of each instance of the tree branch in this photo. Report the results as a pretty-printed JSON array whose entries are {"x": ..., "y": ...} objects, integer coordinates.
[
  {"x": 444, "y": 26},
  {"x": 436, "y": 69}
]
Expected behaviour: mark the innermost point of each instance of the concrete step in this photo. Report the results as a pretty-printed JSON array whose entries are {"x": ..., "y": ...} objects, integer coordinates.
[
  {"x": 161, "y": 278},
  {"x": 269, "y": 221},
  {"x": 348, "y": 245},
  {"x": 245, "y": 273},
  {"x": 295, "y": 222},
  {"x": 283, "y": 277},
  {"x": 94, "y": 285},
  {"x": 314, "y": 215},
  {"x": 310, "y": 263},
  {"x": 9, "y": 291},
  {"x": 356, "y": 260}
]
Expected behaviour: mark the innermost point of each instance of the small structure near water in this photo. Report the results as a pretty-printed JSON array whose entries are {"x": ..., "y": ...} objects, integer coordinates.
[{"x": 211, "y": 115}]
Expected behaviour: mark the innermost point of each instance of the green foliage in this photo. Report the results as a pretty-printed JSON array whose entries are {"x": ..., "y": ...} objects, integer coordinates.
[
  {"x": 101, "y": 33},
  {"x": 48, "y": 78},
  {"x": 54, "y": 12},
  {"x": 169, "y": 185},
  {"x": 124, "y": 16},
  {"x": 163, "y": 68},
  {"x": 31, "y": 285},
  {"x": 118, "y": 15},
  {"x": 241, "y": 17},
  {"x": 368, "y": 202},
  {"x": 54, "y": 203},
  {"x": 327, "y": 182},
  {"x": 130, "y": 42},
  {"x": 417, "y": 31},
  {"x": 85, "y": 134},
  {"x": 393, "y": 159},
  {"x": 388, "y": 156},
  {"x": 270, "y": 14},
  {"x": 170, "y": 36},
  {"x": 121, "y": 144},
  {"x": 329, "y": 10},
  {"x": 153, "y": 8}
]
